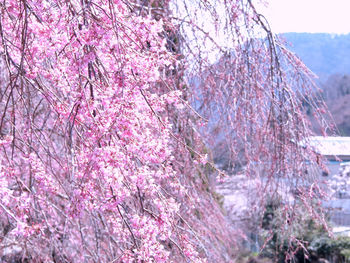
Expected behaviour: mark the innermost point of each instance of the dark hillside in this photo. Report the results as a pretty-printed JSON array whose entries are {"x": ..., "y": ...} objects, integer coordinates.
[
  {"x": 325, "y": 54},
  {"x": 328, "y": 56}
]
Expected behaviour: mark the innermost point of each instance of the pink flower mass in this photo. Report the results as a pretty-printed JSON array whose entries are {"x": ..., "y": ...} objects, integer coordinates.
[{"x": 100, "y": 159}]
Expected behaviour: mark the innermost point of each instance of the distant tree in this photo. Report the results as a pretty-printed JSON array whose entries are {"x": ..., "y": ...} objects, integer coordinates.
[
  {"x": 336, "y": 86},
  {"x": 336, "y": 92},
  {"x": 103, "y": 156}
]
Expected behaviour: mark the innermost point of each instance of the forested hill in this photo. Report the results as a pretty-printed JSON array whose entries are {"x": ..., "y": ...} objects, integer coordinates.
[
  {"x": 325, "y": 54},
  {"x": 328, "y": 56}
]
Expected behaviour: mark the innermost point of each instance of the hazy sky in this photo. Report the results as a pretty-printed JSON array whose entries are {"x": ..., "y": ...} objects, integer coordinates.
[{"x": 331, "y": 16}]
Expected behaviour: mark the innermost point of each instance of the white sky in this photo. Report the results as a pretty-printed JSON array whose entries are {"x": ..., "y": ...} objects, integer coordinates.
[{"x": 314, "y": 16}]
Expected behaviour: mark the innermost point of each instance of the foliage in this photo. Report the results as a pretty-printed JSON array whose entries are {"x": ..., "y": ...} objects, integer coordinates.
[
  {"x": 337, "y": 248},
  {"x": 249, "y": 257},
  {"x": 317, "y": 242}
]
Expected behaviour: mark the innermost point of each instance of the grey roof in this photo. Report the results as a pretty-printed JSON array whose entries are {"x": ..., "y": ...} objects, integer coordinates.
[{"x": 330, "y": 146}]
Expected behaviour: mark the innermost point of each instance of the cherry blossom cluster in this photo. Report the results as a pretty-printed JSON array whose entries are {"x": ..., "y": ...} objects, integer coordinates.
[{"x": 93, "y": 176}]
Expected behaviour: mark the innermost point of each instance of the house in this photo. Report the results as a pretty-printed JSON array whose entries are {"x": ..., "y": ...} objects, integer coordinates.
[{"x": 336, "y": 150}]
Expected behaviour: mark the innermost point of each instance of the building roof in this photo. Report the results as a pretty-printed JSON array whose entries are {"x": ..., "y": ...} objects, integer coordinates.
[{"x": 330, "y": 146}]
